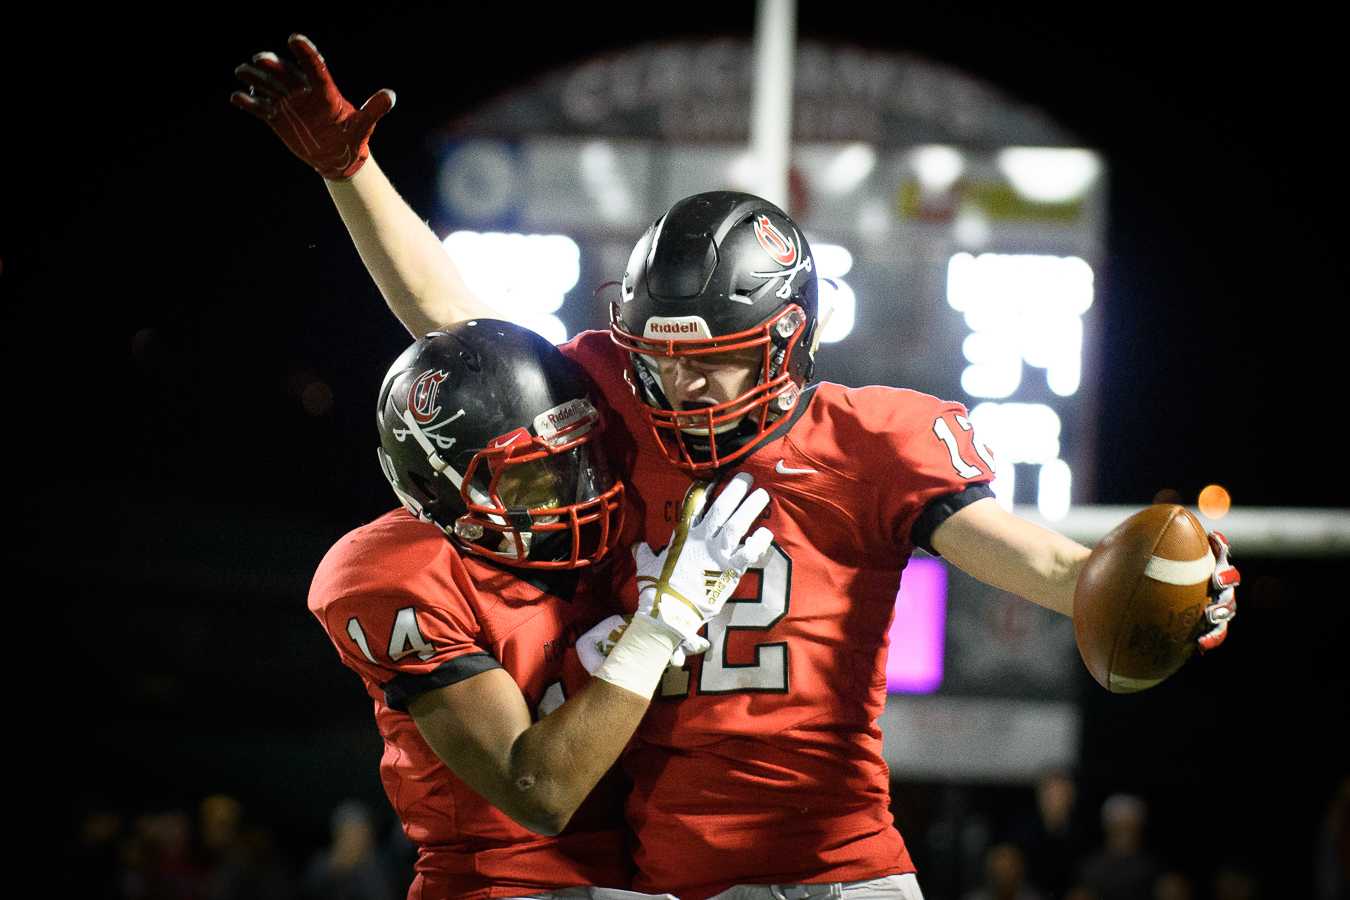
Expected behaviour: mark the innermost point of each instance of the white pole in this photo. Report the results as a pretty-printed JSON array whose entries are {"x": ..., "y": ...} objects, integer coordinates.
[
  {"x": 771, "y": 98},
  {"x": 1254, "y": 531}
]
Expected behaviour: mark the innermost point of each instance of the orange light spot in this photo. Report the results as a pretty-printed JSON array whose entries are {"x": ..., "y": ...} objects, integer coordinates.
[{"x": 1215, "y": 502}]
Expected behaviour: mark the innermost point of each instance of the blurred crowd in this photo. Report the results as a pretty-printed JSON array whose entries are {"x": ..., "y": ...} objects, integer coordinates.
[
  {"x": 1042, "y": 852},
  {"x": 1048, "y": 852},
  {"x": 220, "y": 855}
]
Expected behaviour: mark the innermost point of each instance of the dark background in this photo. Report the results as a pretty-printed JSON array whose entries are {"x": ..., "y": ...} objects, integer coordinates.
[{"x": 178, "y": 290}]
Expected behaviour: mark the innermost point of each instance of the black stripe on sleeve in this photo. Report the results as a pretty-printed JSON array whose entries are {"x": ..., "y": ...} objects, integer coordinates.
[
  {"x": 403, "y": 689},
  {"x": 940, "y": 509}
]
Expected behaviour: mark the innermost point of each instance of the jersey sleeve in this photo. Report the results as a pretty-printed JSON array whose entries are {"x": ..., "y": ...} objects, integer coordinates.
[
  {"x": 604, "y": 364},
  {"x": 595, "y": 353},
  {"x": 401, "y": 623},
  {"x": 930, "y": 462}
]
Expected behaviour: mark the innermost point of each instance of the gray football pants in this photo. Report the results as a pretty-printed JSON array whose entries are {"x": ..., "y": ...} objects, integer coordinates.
[{"x": 889, "y": 887}]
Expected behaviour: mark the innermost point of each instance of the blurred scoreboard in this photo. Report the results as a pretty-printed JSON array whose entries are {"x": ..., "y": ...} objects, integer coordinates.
[
  {"x": 958, "y": 235},
  {"x": 954, "y": 273}
]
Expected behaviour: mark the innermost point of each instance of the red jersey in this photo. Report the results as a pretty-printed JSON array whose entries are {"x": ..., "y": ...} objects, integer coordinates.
[
  {"x": 761, "y": 761},
  {"x": 409, "y": 613}
]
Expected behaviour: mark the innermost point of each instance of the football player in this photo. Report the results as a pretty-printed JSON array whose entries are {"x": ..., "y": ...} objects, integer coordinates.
[
  {"x": 707, "y": 364},
  {"x": 457, "y": 609}
]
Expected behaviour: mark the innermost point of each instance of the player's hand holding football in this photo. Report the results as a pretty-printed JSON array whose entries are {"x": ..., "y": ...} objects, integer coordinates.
[
  {"x": 299, "y": 101},
  {"x": 688, "y": 582},
  {"x": 1222, "y": 594}
]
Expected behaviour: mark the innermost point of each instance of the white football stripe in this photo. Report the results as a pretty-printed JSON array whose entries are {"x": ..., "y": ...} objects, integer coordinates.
[
  {"x": 1123, "y": 684},
  {"x": 1173, "y": 571}
]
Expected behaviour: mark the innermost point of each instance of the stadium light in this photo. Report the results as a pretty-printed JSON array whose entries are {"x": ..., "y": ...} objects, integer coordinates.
[
  {"x": 604, "y": 182},
  {"x": 525, "y": 277},
  {"x": 838, "y": 303},
  {"x": 1049, "y": 174},
  {"x": 937, "y": 167},
  {"x": 849, "y": 168}
]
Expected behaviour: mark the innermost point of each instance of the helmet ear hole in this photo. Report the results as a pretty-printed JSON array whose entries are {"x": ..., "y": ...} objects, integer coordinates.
[
  {"x": 422, "y": 482},
  {"x": 429, "y": 490}
]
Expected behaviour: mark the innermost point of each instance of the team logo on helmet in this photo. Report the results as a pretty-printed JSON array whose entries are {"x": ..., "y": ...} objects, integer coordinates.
[
  {"x": 779, "y": 247},
  {"x": 789, "y": 274},
  {"x": 422, "y": 395}
]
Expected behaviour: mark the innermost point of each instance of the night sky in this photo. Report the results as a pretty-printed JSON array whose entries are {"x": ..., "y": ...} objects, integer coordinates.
[{"x": 174, "y": 282}]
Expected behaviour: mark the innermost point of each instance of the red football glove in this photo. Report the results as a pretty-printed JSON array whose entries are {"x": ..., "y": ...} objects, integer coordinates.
[
  {"x": 300, "y": 102},
  {"x": 1223, "y": 595}
]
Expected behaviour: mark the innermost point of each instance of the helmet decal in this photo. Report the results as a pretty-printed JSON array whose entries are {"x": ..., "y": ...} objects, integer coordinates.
[
  {"x": 678, "y": 327},
  {"x": 779, "y": 247},
  {"x": 507, "y": 440},
  {"x": 422, "y": 395},
  {"x": 549, "y": 423},
  {"x": 443, "y": 442},
  {"x": 788, "y": 275}
]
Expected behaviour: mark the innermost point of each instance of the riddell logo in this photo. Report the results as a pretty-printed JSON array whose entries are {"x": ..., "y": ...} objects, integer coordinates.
[
  {"x": 674, "y": 328},
  {"x": 551, "y": 422},
  {"x": 667, "y": 327},
  {"x": 567, "y": 414}
]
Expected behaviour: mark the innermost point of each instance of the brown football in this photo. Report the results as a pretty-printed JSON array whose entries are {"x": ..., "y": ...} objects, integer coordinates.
[{"x": 1139, "y": 599}]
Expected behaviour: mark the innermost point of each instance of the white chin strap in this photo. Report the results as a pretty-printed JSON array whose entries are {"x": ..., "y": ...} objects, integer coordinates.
[
  {"x": 507, "y": 547},
  {"x": 437, "y": 462},
  {"x": 434, "y": 459}
]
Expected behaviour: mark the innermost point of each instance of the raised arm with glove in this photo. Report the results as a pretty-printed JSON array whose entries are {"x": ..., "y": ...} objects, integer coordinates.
[{"x": 298, "y": 99}]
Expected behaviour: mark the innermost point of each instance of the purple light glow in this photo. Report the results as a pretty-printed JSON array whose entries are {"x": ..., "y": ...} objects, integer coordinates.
[{"x": 914, "y": 665}]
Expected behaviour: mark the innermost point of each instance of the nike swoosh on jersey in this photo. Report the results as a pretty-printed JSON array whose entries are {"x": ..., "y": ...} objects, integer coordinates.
[{"x": 784, "y": 470}]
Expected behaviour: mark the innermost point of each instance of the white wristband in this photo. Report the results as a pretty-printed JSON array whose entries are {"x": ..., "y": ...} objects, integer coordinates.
[{"x": 640, "y": 657}]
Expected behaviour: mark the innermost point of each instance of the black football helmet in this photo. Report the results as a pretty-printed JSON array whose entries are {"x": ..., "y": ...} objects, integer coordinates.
[
  {"x": 720, "y": 271},
  {"x": 489, "y": 432}
]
